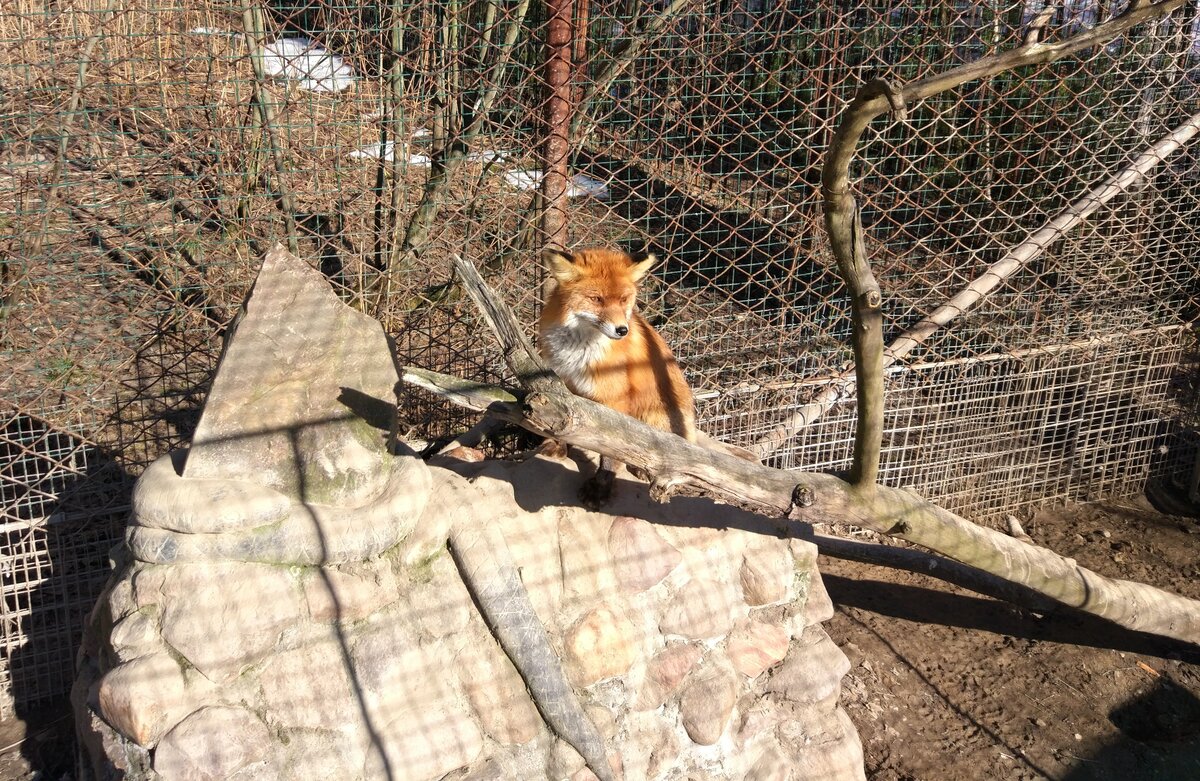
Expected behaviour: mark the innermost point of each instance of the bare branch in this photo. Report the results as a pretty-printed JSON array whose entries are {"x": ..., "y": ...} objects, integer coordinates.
[
  {"x": 842, "y": 215},
  {"x": 551, "y": 409},
  {"x": 1019, "y": 256},
  {"x": 252, "y": 20}
]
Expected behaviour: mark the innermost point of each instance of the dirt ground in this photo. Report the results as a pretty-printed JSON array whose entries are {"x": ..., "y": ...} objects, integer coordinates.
[{"x": 947, "y": 686}]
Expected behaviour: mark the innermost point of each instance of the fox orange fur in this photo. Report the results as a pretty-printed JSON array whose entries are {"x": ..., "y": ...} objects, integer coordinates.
[{"x": 592, "y": 336}]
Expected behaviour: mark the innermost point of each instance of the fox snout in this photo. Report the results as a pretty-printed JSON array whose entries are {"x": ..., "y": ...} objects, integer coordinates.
[{"x": 610, "y": 329}]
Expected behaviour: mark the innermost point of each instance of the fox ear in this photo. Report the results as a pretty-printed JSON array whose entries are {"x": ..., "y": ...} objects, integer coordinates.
[
  {"x": 642, "y": 264},
  {"x": 560, "y": 265}
]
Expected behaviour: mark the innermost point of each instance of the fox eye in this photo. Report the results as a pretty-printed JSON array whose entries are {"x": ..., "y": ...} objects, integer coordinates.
[{"x": 597, "y": 299}]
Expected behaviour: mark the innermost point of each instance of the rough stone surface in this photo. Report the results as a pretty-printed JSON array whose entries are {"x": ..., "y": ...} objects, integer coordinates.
[
  {"x": 771, "y": 765},
  {"x": 349, "y": 593},
  {"x": 301, "y": 397},
  {"x": 813, "y": 670},
  {"x": 833, "y": 754},
  {"x": 224, "y": 616},
  {"x": 755, "y": 646},
  {"x": 144, "y": 697},
  {"x": 214, "y": 743},
  {"x": 707, "y": 703},
  {"x": 702, "y": 609},
  {"x": 424, "y": 744},
  {"x": 664, "y": 673},
  {"x": 287, "y": 605},
  {"x": 312, "y": 687},
  {"x": 766, "y": 575},
  {"x": 602, "y": 645},
  {"x": 136, "y": 635},
  {"x": 586, "y": 573},
  {"x": 818, "y": 607},
  {"x": 640, "y": 556},
  {"x": 497, "y": 694}
]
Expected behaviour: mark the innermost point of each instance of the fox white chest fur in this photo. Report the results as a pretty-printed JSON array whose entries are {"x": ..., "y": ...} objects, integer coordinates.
[{"x": 572, "y": 348}]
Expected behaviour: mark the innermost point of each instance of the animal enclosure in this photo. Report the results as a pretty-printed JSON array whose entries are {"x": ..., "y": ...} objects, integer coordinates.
[{"x": 150, "y": 153}]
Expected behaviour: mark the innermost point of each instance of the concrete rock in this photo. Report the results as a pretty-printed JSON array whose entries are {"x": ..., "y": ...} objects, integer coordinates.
[
  {"x": 703, "y": 609},
  {"x": 303, "y": 395},
  {"x": 812, "y": 671},
  {"x": 350, "y": 592},
  {"x": 754, "y": 646},
  {"x": 424, "y": 744},
  {"x": 310, "y": 533},
  {"x": 818, "y": 607},
  {"x": 136, "y": 635},
  {"x": 498, "y": 695},
  {"x": 226, "y": 615},
  {"x": 707, "y": 703},
  {"x": 832, "y": 754},
  {"x": 312, "y": 686},
  {"x": 640, "y": 556},
  {"x": 587, "y": 573},
  {"x": 212, "y": 744},
  {"x": 771, "y": 765},
  {"x": 601, "y": 645},
  {"x": 144, "y": 697},
  {"x": 767, "y": 574},
  {"x": 664, "y": 673},
  {"x": 319, "y": 754}
]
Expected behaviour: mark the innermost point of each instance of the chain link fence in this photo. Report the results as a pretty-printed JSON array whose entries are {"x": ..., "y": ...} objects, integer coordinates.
[{"x": 150, "y": 153}]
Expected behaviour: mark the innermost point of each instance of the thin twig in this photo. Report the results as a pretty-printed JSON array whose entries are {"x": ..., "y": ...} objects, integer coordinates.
[
  {"x": 64, "y": 134},
  {"x": 252, "y": 21},
  {"x": 416, "y": 235}
]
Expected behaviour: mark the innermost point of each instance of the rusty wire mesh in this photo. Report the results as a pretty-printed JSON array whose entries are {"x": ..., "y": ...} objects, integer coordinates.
[{"x": 150, "y": 153}]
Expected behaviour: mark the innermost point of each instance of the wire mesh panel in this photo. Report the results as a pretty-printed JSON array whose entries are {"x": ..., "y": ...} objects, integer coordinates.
[{"x": 150, "y": 153}]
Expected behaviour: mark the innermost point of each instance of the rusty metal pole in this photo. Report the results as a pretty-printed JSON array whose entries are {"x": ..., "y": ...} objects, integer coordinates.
[{"x": 557, "y": 150}]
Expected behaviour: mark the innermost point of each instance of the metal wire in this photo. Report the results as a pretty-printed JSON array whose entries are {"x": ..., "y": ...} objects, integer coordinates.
[{"x": 150, "y": 152}]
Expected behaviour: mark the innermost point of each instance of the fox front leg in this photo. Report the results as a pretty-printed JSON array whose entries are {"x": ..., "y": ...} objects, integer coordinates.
[{"x": 597, "y": 489}]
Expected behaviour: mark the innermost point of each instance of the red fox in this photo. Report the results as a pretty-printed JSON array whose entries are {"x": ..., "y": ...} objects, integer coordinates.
[{"x": 603, "y": 350}]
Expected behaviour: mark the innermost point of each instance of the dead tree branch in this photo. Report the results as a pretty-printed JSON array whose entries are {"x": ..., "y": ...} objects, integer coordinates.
[
  {"x": 545, "y": 406},
  {"x": 844, "y": 225},
  {"x": 1031, "y": 248}
]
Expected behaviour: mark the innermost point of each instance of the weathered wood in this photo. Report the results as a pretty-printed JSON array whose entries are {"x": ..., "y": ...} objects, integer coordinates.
[
  {"x": 548, "y": 408},
  {"x": 842, "y": 214},
  {"x": 1019, "y": 256}
]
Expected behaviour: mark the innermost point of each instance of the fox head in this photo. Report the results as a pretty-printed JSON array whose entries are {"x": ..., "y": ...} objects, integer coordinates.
[{"x": 597, "y": 287}]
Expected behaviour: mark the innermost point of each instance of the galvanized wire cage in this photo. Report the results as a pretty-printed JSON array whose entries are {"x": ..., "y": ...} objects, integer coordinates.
[{"x": 150, "y": 153}]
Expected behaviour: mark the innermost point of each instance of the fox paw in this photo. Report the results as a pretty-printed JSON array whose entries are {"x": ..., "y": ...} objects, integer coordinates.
[
  {"x": 597, "y": 490},
  {"x": 552, "y": 448}
]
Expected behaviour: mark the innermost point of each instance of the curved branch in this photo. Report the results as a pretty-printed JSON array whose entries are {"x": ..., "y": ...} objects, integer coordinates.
[
  {"x": 842, "y": 216},
  {"x": 1032, "y": 247}
]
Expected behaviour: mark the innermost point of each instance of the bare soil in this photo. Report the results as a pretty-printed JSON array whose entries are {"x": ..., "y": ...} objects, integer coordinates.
[{"x": 946, "y": 685}]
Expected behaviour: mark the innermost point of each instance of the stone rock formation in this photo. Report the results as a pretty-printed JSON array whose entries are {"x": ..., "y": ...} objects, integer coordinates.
[{"x": 286, "y": 605}]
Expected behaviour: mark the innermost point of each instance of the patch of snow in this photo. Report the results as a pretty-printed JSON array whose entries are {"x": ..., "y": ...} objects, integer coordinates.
[
  {"x": 581, "y": 184},
  {"x": 307, "y": 63},
  {"x": 376, "y": 151}
]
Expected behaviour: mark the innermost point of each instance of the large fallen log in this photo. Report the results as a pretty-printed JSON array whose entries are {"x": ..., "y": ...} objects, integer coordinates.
[{"x": 545, "y": 406}]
